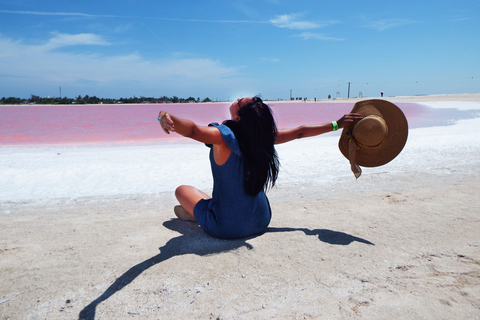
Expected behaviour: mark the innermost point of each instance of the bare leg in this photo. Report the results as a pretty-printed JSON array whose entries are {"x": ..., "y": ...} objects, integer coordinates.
[{"x": 188, "y": 197}]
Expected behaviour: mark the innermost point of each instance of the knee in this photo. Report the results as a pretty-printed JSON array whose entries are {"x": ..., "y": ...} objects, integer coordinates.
[{"x": 180, "y": 191}]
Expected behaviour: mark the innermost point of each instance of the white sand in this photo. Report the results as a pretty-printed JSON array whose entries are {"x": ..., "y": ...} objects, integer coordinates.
[{"x": 90, "y": 231}]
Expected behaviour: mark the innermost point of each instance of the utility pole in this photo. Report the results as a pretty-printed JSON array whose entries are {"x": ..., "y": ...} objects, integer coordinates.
[
  {"x": 290, "y": 94},
  {"x": 60, "y": 92},
  {"x": 348, "y": 95}
]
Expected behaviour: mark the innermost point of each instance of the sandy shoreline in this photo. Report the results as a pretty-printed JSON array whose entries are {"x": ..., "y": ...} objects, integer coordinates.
[
  {"x": 417, "y": 98},
  {"x": 402, "y": 242}
]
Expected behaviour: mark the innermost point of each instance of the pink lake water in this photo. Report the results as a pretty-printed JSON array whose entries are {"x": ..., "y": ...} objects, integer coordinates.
[{"x": 87, "y": 124}]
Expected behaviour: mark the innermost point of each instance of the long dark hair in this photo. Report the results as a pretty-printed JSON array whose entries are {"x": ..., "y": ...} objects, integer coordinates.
[{"x": 256, "y": 132}]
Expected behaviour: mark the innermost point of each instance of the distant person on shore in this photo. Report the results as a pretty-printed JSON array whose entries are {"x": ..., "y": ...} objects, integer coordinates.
[
  {"x": 244, "y": 165},
  {"x": 381, "y": 94}
]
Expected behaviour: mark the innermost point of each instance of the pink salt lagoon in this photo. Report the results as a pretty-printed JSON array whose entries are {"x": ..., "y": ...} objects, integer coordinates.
[{"x": 108, "y": 124}]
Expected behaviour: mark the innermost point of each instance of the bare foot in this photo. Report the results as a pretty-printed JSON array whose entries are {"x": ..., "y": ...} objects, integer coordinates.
[{"x": 182, "y": 214}]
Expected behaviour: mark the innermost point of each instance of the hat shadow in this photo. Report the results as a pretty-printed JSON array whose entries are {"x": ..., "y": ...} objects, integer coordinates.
[
  {"x": 325, "y": 235},
  {"x": 194, "y": 241}
]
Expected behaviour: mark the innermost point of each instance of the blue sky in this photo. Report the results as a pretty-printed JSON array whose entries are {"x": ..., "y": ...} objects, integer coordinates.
[{"x": 225, "y": 49}]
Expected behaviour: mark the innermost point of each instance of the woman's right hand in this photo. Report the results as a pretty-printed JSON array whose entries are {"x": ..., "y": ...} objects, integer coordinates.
[{"x": 166, "y": 122}]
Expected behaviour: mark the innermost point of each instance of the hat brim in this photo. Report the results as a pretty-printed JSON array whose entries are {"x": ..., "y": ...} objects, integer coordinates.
[{"x": 394, "y": 141}]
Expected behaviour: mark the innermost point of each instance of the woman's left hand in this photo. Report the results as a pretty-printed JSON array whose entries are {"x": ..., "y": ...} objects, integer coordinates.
[
  {"x": 166, "y": 122},
  {"x": 349, "y": 119}
]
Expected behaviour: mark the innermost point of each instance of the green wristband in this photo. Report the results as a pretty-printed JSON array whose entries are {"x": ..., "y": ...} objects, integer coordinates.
[{"x": 335, "y": 125}]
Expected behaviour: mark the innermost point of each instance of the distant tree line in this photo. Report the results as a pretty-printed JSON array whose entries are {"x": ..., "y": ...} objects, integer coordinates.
[{"x": 94, "y": 100}]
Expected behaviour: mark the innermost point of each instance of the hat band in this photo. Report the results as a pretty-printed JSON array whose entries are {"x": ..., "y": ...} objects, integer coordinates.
[{"x": 352, "y": 146}]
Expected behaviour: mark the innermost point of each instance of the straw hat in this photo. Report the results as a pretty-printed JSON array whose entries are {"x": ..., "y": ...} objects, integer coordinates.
[{"x": 376, "y": 139}]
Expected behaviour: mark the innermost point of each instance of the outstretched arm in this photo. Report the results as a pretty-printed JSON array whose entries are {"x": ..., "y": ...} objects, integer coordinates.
[
  {"x": 189, "y": 129},
  {"x": 286, "y": 135}
]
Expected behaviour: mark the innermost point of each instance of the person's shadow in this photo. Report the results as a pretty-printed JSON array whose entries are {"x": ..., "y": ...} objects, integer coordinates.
[
  {"x": 191, "y": 241},
  {"x": 194, "y": 241}
]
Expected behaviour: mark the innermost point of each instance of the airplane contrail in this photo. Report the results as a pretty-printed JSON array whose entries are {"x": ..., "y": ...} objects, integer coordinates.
[{"x": 87, "y": 15}]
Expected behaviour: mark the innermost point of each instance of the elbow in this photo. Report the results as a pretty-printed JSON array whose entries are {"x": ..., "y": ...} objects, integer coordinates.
[
  {"x": 290, "y": 135},
  {"x": 192, "y": 133},
  {"x": 300, "y": 136},
  {"x": 301, "y": 132}
]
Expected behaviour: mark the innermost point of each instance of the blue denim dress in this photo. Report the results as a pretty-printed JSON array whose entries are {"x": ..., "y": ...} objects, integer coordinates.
[{"x": 231, "y": 213}]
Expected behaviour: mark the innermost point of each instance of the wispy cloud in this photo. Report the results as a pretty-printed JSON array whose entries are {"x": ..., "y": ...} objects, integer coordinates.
[
  {"x": 44, "y": 13},
  {"x": 289, "y": 21},
  {"x": 87, "y": 15},
  {"x": 384, "y": 24},
  {"x": 295, "y": 22},
  {"x": 123, "y": 28},
  {"x": 317, "y": 36},
  {"x": 65, "y": 40},
  {"x": 271, "y": 60},
  {"x": 41, "y": 65},
  {"x": 292, "y": 21},
  {"x": 457, "y": 19}
]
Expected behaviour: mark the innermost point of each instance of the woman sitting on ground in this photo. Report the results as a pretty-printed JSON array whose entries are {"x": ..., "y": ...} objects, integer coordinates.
[{"x": 244, "y": 165}]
